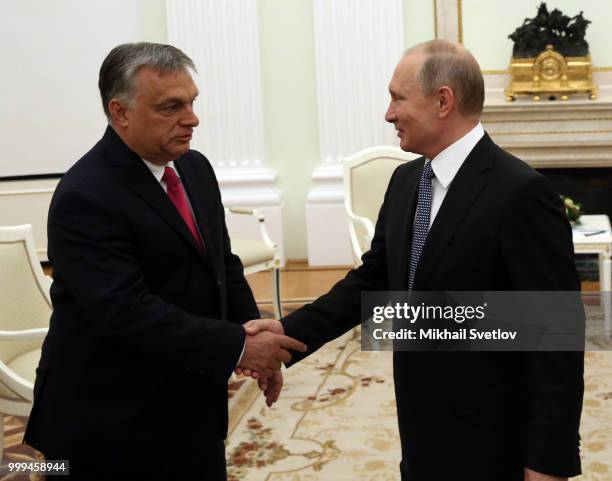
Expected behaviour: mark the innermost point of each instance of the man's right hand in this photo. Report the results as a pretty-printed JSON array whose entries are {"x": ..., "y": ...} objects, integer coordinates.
[
  {"x": 264, "y": 351},
  {"x": 253, "y": 327},
  {"x": 258, "y": 325}
]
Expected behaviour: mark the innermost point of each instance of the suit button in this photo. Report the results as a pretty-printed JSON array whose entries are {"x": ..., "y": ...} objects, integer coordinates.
[{"x": 218, "y": 282}]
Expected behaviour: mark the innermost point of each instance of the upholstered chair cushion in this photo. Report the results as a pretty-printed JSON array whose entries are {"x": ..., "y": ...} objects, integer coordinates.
[{"x": 251, "y": 252}]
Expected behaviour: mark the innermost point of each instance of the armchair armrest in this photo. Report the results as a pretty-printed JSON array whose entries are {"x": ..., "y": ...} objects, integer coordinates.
[
  {"x": 23, "y": 388},
  {"x": 365, "y": 223},
  {"x": 353, "y": 221},
  {"x": 24, "y": 335},
  {"x": 262, "y": 221},
  {"x": 242, "y": 210}
]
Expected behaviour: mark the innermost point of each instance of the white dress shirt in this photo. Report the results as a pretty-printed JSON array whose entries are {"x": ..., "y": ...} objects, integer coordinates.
[
  {"x": 447, "y": 163},
  {"x": 158, "y": 173}
]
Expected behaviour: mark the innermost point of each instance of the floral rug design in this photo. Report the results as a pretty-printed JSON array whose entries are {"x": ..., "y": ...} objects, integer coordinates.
[{"x": 336, "y": 420}]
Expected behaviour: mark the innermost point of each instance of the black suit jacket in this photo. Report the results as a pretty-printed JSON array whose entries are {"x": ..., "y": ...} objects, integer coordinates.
[
  {"x": 471, "y": 415},
  {"x": 146, "y": 328}
]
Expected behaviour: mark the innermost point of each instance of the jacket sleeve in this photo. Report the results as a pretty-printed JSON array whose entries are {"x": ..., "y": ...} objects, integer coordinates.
[
  {"x": 94, "y": 255},
  {"x": 334, "y": 313},
  {"x": 538, "y": 251}
]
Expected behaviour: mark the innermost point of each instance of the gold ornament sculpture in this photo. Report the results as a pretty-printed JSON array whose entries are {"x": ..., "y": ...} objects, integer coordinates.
[{"x": 551, "y": 58}]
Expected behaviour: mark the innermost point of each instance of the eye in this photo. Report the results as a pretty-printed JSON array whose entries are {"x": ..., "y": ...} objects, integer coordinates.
[{"x": 169, "y": 108}]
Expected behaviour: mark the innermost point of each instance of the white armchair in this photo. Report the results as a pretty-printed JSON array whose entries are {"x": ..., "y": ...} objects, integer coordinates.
[
  {"x": 259, "y": 256},
  {"x": 366, "y": 176},
  {"x": 25, "y": 309}
]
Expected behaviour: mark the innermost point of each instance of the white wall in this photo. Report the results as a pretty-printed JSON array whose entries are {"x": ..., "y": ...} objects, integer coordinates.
[
  {"x": 51, "y": 113},
  {"x": 52, "y": 51}
]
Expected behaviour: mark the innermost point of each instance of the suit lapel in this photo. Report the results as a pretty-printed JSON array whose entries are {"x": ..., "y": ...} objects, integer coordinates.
[
  {"x": 139, "y": 178},
  {"x": 204, "y": 203},
  {"x": 462, "y": 193}
]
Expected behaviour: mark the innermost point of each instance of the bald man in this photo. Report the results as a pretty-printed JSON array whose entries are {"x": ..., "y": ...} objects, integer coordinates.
[{"x": 466, "y": 216}]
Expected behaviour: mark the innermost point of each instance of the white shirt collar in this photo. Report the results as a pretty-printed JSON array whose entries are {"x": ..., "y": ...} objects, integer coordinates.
[
  {"x": 158, "y": 170},
  {"x": 447, "y": 163}
]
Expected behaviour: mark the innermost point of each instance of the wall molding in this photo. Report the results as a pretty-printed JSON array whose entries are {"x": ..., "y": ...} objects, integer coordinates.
[{"x": 248, "y": 187}]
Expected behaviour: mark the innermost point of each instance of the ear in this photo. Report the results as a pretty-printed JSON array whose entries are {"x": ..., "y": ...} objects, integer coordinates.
[
  {"x": 118, "y": 112},
  {"x": 446, "y": 101}
]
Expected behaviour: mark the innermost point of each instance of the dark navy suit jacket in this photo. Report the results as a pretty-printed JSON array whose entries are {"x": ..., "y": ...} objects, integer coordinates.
[
  {"x": 477, "y": 416},
  {"x": 146, "y": 328}
]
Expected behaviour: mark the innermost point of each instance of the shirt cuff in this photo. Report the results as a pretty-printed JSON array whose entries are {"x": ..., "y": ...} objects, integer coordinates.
[{"x": 242, "y": 353}]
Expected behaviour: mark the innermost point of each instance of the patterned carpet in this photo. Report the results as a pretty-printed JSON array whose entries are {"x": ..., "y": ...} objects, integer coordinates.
[{"x": 336, "y": 420}]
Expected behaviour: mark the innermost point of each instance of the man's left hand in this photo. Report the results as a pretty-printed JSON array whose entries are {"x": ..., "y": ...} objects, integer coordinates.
[
  {"x": 535, "y": 476},
  {"x": 271, "y": 387}
]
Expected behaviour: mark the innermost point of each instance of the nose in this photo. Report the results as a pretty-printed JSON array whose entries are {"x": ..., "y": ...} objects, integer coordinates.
[
  {"x": 390, "y": 114},
  {"x": 190, "y": 119}
]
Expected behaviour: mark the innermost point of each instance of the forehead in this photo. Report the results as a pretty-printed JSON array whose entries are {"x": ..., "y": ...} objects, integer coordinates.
[
  {"x": 151, "y": 82},
  {"x": 405, "y": 73}
]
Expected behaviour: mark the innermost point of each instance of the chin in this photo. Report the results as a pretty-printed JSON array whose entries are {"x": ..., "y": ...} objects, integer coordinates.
[
  {"x": 405, "y": 146},
  {"x": 180, "y": 150}
]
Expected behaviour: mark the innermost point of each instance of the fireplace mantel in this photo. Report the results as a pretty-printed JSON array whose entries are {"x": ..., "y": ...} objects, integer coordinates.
[{"x": 575, "y": 133}]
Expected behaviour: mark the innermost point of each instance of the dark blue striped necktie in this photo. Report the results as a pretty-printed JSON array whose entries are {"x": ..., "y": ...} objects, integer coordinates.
[{"x": 421, "y": 222}]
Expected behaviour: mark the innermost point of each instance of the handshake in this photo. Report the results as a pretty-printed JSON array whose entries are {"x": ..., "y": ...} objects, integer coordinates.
[{"x": 265, "y": 349}]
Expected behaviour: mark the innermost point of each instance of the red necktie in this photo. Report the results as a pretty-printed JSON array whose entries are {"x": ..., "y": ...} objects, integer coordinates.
[{"x": 177, "y": 196}]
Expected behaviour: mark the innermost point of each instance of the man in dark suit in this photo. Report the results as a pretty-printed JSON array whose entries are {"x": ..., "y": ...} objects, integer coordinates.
[
  {"x": 148, "y": 299},
  {"x": 467, "y": 216}
]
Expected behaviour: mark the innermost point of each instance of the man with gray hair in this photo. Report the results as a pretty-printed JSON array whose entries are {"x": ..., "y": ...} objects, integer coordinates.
[
  {"x": 466, "y": 216},
  {"x": 149, "y": 301}
]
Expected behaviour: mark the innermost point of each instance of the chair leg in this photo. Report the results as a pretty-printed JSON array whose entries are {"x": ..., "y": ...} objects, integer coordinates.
[{"x": 278, "y": 308}]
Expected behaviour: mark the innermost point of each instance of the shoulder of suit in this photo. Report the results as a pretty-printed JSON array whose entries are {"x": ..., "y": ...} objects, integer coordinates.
[
  {"x": 516, "y": 176},
  {"x": 88, "y": 171},
  {"x": 198, "y": 158},
  {"x": 201, "y": 161},
  {"x": 508, "y": 165}
]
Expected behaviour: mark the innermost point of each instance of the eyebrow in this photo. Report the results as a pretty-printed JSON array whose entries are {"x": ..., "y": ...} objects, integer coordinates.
[{"x": 172, "y": 100}]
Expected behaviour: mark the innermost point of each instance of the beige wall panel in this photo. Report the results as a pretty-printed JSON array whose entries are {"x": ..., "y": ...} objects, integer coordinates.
[
  {"x": 419, "y": 21},
  {"x": 290, "y": 108}
]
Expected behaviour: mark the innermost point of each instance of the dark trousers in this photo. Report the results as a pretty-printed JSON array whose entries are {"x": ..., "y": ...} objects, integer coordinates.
[{"x": 460, "y": 473}]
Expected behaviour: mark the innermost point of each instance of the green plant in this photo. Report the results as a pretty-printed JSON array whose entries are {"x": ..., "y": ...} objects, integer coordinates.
[{"x": 572, "y": 209}]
